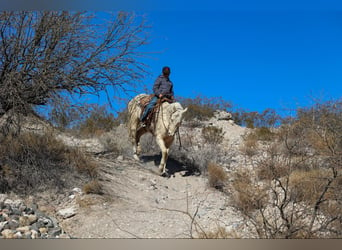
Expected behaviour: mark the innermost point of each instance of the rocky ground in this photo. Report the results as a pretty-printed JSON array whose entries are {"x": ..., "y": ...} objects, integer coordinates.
[{"x": 136, "y": 202}]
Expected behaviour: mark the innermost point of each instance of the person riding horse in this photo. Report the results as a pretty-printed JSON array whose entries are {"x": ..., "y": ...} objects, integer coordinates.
[{"x": 163, "y": 87}]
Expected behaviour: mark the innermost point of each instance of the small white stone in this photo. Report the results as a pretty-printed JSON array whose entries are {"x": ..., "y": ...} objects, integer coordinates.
[{"x": 67, "y": 212}]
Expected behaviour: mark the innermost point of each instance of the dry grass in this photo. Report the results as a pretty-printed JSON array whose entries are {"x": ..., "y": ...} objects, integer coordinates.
[
  {"x": 212, "y": 135},
  {"x": 219, "y": 233},
  {"x": 307, "y": 186},
  {"x": 248, "y": 196},
  {"x": 33, "y": 162},
  {"x": 250, "y": 145},
  {"x": 217, "y": 176},
  {"x": 93, "y": 187}
]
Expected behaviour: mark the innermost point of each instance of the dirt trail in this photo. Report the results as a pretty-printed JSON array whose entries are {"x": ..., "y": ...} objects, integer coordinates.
[{"x": 138, "y": 203}]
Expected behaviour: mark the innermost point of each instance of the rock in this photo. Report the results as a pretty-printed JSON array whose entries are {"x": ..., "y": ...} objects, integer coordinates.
[
  {"x": 13, "y": 204},
  {"x": 18, "y": 235},
  {"x": 34, "y": 234},
  {"x": 16, "y": 211},
  {"x": 27, "y": 235},
  {"x": 2, "y": 218},
  {"x": 24, "y": 221},
  {"x": 67, "y": 212},
  {"x": 43, "y": 230},
  {"x": 32, "y": 218},
  {"x": 37, "y": 225},
  {"x": 222, "y": 115},
  {"x": 47, "y": 222},
  {"x": 2, "y": 225},
  {"x": 8, "y": 234},
  {"x": 54, "y": 232},
  {"x": 24, "y": 229},
  {"x": 13, "y": 224},
  {"x": 77, "y": 190},
  {"x": 29, "y": 210},
  {"x": 3, "y": 197}
]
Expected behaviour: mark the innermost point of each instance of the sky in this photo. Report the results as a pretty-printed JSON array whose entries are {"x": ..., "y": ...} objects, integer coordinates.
[
  {"x": 256, "y": 59},
  {"x": 255, "y": 54}
]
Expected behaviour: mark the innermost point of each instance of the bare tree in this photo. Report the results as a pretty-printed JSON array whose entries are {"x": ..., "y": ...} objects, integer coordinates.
[{"x": 46, "y": 56}]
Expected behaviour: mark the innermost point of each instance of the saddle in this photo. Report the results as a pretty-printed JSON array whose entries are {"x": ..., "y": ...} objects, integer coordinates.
[{"x": 152, "y": 114}]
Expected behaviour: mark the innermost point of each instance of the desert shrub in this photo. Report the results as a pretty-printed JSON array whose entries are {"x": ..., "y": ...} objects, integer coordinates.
[
  {"x": 202, "y": 108},
  {"x": 98, "y": 122},
  {"x": 297, "y": 189},
  {"x": 201, "y": 113},
  {"x": 117, "y": 141},
  {"x": 251, "y": 119},
  {"x": 248, "y": 196},
  {"x": 270, "y": 169},
  {"x": 307, "y": 186},
  {"x": 93, "y": 187},
  {"x": 264, "y": 134},
  {"x": 81, "y": 162},
  {"x": 31, "y": 162},
  {"x": 250, "y": 145},
  {"x": 212, "y": 135},
  {"x": 219, "y": 233},
  {"x": 217, "y": 176}
]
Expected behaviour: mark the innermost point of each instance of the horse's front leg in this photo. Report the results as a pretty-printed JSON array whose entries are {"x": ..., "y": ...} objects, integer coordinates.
[
  {"x": 164, "y": 151},
  {"x": 135, "y": 138}
]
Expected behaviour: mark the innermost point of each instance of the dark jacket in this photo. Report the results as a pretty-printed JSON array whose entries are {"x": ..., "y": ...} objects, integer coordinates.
[{"x": 163, "y": 86}]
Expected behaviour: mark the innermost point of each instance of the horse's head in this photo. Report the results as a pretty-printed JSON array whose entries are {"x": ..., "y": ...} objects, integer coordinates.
[{"x": 176, "y": 120}]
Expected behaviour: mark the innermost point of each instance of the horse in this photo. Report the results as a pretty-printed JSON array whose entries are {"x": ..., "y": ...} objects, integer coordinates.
[{"x": 163, "y": 127}]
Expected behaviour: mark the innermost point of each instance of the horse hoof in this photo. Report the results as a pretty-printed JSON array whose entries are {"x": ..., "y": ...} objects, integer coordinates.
[
  {"x": 136, "y": 157},
  {"x": 165, "y": 174}
]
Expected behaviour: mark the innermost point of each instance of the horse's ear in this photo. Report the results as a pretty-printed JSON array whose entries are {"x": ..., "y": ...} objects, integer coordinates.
[{"x": 184, "y": 110}]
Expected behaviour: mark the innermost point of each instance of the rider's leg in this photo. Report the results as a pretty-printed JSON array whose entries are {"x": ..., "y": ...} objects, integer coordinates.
[{"x": 148, "y": 108}]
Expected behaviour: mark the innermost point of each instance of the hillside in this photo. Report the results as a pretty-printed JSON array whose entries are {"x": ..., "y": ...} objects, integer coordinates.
[
  {"x": 137, "y": 202},
  {"x": 226, "y": 181}
]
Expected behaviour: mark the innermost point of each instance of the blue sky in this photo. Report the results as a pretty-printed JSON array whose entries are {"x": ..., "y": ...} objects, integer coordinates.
[
  {"x": 257, "y": 54},
  {"x": 257, "y": 59}
]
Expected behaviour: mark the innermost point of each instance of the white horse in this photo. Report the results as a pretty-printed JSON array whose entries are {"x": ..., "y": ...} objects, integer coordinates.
[{"x": 167, "y": 122}]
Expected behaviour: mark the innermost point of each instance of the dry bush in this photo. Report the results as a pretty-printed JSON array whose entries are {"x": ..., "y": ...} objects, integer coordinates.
[
  {"x": 31, "y": 163},
  {"x": 248, "y": 196},
  {"x": 307, "y": 186},
  {"x": 117, "y": 141},
  {"x": 93, "y": 187},
  {"x": 299, "y": 171},
  {"x": 212, "y": 135},
  {"x": 201, "y": 108},
  {"x": 219, "y": 233},
  {"x": 217, "y": 176},
  {"x": 81, "y": 162},
  {"x": 264, "y": 134},
  {"x": 97, "y": 123},
  {"x": 250, "y": 145}
]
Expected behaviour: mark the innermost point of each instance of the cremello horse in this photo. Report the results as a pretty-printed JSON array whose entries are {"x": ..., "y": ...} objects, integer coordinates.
[{"x": 167, "y": 122}]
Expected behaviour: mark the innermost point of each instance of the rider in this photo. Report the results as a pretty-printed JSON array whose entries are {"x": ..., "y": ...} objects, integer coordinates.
[{"x": 163, "y": 87}]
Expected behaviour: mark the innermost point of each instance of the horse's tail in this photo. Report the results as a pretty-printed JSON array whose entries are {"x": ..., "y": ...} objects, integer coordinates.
[{"x": 134, "y": 111}]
